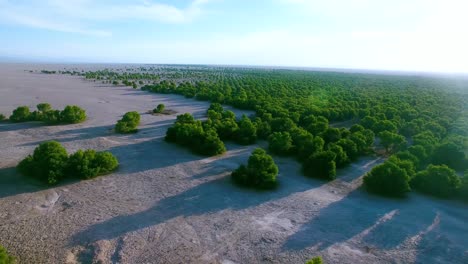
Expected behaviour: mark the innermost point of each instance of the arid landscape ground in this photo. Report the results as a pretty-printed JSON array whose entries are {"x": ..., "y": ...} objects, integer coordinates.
[{"x": 166, "y": 205}]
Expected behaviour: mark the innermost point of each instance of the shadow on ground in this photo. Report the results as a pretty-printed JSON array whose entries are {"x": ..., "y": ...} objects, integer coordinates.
[{"x": 211, "y": 196}]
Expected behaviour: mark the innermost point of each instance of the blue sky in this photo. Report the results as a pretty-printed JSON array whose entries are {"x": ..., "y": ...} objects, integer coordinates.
[{"x": 415, "y": 35}]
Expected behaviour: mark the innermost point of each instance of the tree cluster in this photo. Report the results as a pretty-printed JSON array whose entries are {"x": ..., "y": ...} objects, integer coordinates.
[
  {"x": 191, "y": 133},
  {"x": 50, "y": 163},
  {"x": 128, "y": 123},
  {"x": 71, "y": 114}
]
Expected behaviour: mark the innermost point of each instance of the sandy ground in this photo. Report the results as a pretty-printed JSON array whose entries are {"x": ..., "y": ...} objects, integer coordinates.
[{"x": 166, "y": 205}]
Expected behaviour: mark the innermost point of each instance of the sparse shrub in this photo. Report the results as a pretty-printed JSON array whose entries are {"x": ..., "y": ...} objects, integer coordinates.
[
  {"x": 72, "y": 114},
  {"x": 260, "y": 172},
  {"x": 20, "y": 114},
  {"x": 128, "y": 123},
  {"x": 47, "y": 163},
  {"x": 440, "y": 181},
  {"x": 89, "y": 164},
  {"x": 387, "y": 179},
  {"x": 159, "y": 108},
  {"x": 5, "y": 258},
  {"x": 315, "y": 260}
]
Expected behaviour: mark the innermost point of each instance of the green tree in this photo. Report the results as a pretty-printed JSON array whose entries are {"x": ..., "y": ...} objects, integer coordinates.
[
  {"x": 391, "y": 141},
  {"x": 387, "y": 179},
  {"x": 260, "y": 172},
  {"x": 72, "y": 114},
  {"x": 247, "y": 133},
  {"x": 321, "y": 165},
  {"x": 440, "y": 181},
  {"x": 159, "y": 108},
  {"x": 280, "y": 143},
  {"x": 47, "y": 162},
  {"x": 20, "y": 114}
]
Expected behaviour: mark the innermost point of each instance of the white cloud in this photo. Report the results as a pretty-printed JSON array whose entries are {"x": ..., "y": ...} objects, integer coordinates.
[{"x": 78, "y": 16}]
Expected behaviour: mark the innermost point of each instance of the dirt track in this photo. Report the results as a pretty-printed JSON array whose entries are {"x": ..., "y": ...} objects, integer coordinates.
[{"x": 166, "y": 205}]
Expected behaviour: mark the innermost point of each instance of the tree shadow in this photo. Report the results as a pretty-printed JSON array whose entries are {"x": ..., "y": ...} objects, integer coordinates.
[
  {"x": 339, "y": 221},
  {"x": 211, "y": 196},
  {"x": 13, "y": 183},
  {"x": 9, "y": 126}
]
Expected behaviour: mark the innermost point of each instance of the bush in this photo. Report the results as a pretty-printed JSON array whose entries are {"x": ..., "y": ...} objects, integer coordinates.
[
  {"x": 72, "y": 114},
  {"x": 50, "y": 163},
  {"x": 321, "y": 165},
  {"x": 89, "y": 164},
  {"x": 20, "y": 114},
  {"x": 260, "y": 172},
  {"x": 315, "y": 260},
  {"x": 128, "y": 123},
  {"x": 47, "y": 163},
  {"x": 5, "y": 258},
  {"x": 2, "y": 117},
  {"x": 159, "y": 108},
  {"x": 440, "y": 181},
  {"x": 387, "y": 179}
]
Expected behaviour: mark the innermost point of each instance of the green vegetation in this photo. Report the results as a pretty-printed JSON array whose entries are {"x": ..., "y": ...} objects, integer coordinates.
[
  {"x": 2, "y": 117},
  {"x": 72, "y": 114},
  {"x": 128, "y": 123},
  {"x": 191, "y": 133},
  {"x": 5, "y": 258},
  {"x": 440, "y": 181},
  {"x": 418, "y": 120},
  {"x": 159, "y": 108},
  {"x": 50, "y": 163},
  {"x": 260, "y": 172},
  {"x": 315, "y": 260}
]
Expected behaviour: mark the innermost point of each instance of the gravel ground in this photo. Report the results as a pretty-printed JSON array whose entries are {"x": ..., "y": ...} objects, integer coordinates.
[{"x": 166, "y": 205}]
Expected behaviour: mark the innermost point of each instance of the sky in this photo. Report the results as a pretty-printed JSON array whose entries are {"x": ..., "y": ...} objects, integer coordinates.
[{"x": 404, "y": 35}]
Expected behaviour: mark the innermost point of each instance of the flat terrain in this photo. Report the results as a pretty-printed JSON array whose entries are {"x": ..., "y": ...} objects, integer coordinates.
[{"x": 166, "y": 205}]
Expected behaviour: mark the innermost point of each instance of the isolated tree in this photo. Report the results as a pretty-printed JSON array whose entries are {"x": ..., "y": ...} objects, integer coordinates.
[
  {"x": 128, "y": 123},
  {"x": 440, "y": 181},
  {"x": 20, "y": 114},
  {"x": 387, "y": 179},
  {"x": 260, "y": 172},
  {"x": 47, "y": 163},
  {"x": 159, "y": 108}
]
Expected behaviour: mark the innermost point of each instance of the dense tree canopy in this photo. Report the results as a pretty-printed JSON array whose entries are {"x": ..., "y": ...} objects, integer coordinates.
[{"x": 387, "y": 179}]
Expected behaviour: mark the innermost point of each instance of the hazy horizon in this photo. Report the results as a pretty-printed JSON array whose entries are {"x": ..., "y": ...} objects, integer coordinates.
[{"x": 401, "y": 36}]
